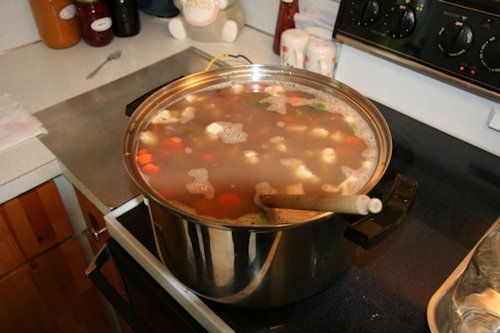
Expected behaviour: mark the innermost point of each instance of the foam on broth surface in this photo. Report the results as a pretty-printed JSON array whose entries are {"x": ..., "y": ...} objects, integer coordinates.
[{"x": 213, "y": 151}]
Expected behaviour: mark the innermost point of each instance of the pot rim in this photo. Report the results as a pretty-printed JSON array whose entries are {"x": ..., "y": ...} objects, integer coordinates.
[{"x": 251, "y": 73}]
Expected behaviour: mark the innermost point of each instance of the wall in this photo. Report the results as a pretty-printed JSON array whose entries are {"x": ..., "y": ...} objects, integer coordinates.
[
  {"x": 18, "y": 28},
  {"x": 261, "y": 14}
]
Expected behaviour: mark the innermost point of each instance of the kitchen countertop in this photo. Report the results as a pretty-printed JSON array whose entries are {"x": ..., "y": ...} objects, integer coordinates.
[
  {"x": 95, "y": 122},
  {"x": 25, "y": 166},
  {"x": 39, "y": 77}
]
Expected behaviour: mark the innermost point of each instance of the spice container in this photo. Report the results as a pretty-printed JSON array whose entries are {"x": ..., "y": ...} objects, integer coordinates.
[
  {"x": 57, "y": 22},
  {"x": 95, "y": 22},
  {"x": 125, "y": 16},
  {"x": 288, "y": 8}
]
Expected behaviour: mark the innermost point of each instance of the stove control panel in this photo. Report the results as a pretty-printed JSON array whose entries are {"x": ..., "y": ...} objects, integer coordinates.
[{"x": 458, "y": 41}]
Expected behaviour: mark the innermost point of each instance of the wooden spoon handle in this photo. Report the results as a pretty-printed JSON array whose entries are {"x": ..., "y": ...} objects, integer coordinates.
[{"x": 347, "y": 204}]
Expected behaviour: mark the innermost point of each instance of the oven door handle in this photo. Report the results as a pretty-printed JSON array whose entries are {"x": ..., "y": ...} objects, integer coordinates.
[
  {"x": 373, "y": 228},
  {"x": 94, "y": 273}
]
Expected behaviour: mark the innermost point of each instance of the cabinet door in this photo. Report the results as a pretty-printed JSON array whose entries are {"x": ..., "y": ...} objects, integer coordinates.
[
  {"x": 51, "y": 293},
  {"x": 43, "y": 286},
  {"x": 30, "y": 224},
  {"x": 95, "y": 222},
  {"x": 94, "y": 219}
]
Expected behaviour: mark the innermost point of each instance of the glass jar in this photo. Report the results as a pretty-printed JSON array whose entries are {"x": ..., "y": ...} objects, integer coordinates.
[
  {"x": 475, "y": 302},
  {"x": 288, "y": 8},
  {"x": 57, "y": 22},
  {"x": 125, "y": 15},
  {"x": 95, "y": 22}
]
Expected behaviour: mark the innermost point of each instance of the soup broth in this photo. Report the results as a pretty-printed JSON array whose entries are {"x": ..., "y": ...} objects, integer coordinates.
[{"x": 212, "y": 152}]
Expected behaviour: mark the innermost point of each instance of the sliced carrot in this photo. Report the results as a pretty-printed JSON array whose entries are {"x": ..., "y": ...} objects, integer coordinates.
[
  {"x": 142, "y": 151},
  {"x": 174, "y": 143},
  {"x": 207, "y": 207},
  {"x": 229, "y": 205},
  {"x": 229, "y": 199},
  {"x": 144, "y": 158},
  {"x": 150, "y": 168},
  {"x": 355, "y": 142}
]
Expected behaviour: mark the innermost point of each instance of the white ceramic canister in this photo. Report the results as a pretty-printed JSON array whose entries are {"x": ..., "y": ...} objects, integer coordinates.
[
  {"x": 293, "y": 44},
  {"x": 320, "y": 56}
]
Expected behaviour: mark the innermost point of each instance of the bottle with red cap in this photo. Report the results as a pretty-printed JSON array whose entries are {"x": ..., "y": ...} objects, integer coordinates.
[{"x": 288, "y": 8}]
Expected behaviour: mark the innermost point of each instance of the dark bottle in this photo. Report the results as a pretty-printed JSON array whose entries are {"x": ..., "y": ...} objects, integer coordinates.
[
  {"x": 95, "y": 22},
  {"x": 288, "y": 8},
  {"x": 125, "y": 15}
]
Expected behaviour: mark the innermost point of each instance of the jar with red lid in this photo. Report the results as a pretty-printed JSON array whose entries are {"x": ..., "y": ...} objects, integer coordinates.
[
  {"x": 57, "y": 22},
  {"x": 95, "y": 21}
]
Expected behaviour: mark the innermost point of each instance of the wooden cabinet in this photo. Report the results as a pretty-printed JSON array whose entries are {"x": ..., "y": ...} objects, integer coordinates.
[
  {"x": 43, "y": 286},
  {"x": 94, "y": 219},
  {"x": 98, "y": 236}
]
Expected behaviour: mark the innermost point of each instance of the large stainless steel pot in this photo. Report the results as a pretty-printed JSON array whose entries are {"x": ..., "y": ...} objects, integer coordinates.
[{"x": 270, "y": 265}]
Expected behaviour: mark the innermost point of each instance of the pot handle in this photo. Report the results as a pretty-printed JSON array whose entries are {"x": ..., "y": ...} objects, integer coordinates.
[
  {"x": 130, "y": 107},
  {"x": 373, "y": 228}
]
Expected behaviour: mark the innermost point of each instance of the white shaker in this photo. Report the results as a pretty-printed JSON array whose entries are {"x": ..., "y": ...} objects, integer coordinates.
[
  {"x": 293, "y": 44},
  {"x": 320, "y": 56}
]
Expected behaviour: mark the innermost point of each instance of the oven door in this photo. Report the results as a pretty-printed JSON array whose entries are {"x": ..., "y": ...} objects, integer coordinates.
[
  {"x": 155, "y": 300},
  {"x": 146, "y": 307}
]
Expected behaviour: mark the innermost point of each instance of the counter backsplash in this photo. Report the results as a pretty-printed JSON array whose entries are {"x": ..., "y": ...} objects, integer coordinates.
[{"x": 17, "y": 26}]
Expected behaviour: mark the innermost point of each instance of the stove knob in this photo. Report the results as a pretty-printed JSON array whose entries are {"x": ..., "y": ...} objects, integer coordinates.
[
  {"x": 400, "y": 21},
  {"x": 369, "y": 13},
  {"x": 365, "y": 13},
  {"x": 455, "y": 39},
  {"x": 489, "y": 54}
]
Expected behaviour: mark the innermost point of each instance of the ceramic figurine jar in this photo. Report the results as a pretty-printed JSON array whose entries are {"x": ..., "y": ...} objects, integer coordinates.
[{"x": 207, "y": 20}]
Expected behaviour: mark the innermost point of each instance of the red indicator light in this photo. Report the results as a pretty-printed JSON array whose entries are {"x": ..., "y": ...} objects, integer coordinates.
[
  {"x": 472, "y": 70},
  {"x": 461, "y": 68}
]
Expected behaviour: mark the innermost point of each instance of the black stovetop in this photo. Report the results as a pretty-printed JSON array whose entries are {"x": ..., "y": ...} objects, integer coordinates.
[{"x": 387, "y": 289}]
